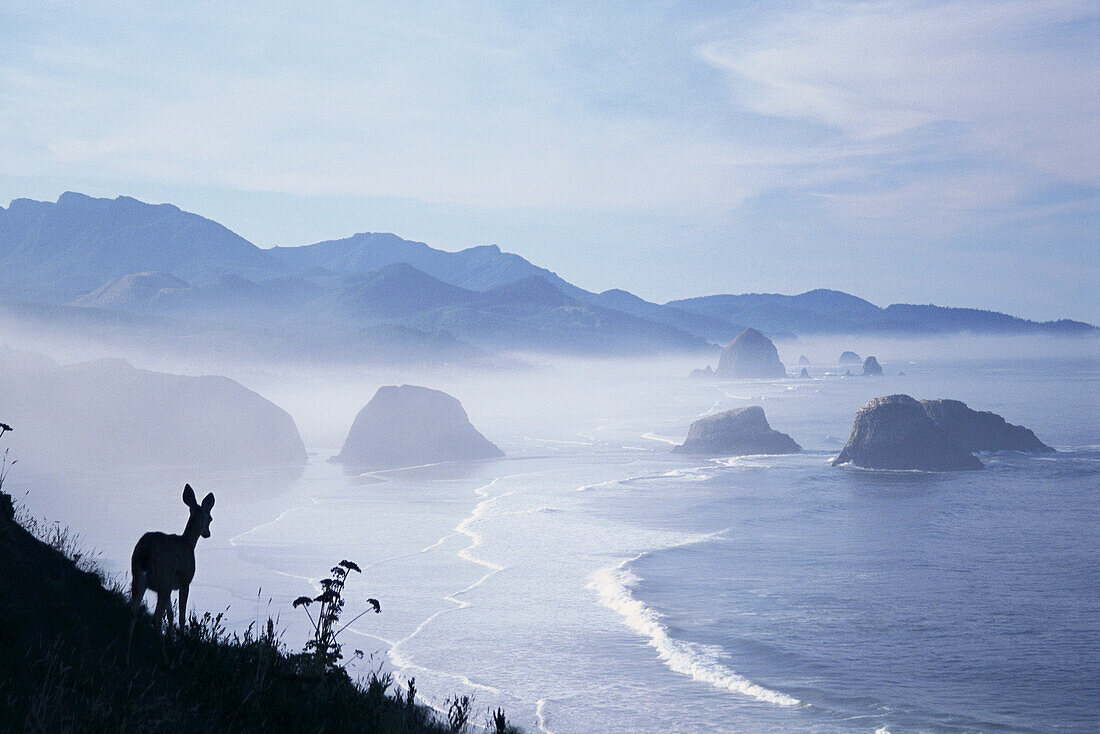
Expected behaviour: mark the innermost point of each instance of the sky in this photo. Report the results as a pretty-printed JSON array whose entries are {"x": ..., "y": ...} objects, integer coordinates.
[{"x": 921, "y": 152}]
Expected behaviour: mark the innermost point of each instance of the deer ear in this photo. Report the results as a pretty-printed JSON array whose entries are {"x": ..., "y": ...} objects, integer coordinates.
[
  {"x": 208, "y": 502},
  {"x": 189, "y": 496}
]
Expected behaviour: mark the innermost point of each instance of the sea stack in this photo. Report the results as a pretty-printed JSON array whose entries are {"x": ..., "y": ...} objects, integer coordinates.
[
  {"x": 978, "y": 430},
  {"x": 803, "y": 360},
  {"x": 804, "y": 373},
  {"x": 871, "y": 368},
  {"x": 895, "y": 432},
  {"x": 850, "y": 358},
  {"x": 750, "y": 355},
  {"x": 737, "y": 432},
  {"x": 410, "y": 426}
]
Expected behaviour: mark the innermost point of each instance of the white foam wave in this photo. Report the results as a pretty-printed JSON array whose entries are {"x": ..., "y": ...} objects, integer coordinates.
[
  {"x": 663, "y": 439},
  {"x": 612, "y": 482},
  {"x": 399, "y": 660},
  {"x": 614, "y": 585},
  {"x": 695, "y": 474},
  {"x": 475, "y": 537},
  {"x": 543, "y": 721}
]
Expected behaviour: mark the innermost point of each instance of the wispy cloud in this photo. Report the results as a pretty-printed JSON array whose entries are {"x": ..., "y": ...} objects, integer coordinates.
[{"x": 988, "y": 101}]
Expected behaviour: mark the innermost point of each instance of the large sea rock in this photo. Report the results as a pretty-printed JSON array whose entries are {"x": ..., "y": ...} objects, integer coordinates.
[
  {"x": 871, "y": 367},
  {"x": 980, "y": 430},
  {"x": 895, "y": 432},
  {"x": 411, "y": 425},
  {"x": 849, "y": 358},
  {"x": 736, "y": 432},
  {"x": 108, "y": 415},
  {"x": 751, "y": 354}
]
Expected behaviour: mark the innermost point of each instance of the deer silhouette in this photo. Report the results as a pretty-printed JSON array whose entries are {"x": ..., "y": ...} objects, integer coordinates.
[{"x": 163, "y": 563}]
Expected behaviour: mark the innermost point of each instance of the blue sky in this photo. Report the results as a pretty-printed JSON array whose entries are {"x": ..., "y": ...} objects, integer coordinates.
[{"x": 940, "y": 152}]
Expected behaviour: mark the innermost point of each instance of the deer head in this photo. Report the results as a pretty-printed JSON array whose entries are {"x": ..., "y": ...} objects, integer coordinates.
[{"x": 200, "y": 514}]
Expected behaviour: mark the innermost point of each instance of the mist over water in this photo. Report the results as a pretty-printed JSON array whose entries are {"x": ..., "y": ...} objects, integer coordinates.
[{"x": 592, "y": 581}]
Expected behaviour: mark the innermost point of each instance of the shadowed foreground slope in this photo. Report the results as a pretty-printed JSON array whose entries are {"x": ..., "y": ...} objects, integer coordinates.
[{"x": 63, "y": 642}]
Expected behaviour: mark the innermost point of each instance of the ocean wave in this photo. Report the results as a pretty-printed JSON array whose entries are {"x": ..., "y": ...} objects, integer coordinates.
[{"x": 614, "y": 585}]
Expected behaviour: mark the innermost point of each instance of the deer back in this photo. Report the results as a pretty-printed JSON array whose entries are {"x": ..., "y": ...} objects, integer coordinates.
[{"x": 167, "y": 561}]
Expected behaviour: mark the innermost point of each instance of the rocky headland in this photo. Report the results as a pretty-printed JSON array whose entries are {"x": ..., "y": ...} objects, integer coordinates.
[{"x": 109, "y": 414}]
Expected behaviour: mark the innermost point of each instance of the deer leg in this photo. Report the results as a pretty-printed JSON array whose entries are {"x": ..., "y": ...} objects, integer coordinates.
[
  {"x": 159, "y": 612},
  {"x": 183, "y": 607},
  {"x": 170, "y": 630},
  {"x": 164, "y": 602}
]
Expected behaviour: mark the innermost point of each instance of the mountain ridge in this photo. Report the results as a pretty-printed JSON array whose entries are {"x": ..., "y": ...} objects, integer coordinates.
[{"x": 126, "y": 255}]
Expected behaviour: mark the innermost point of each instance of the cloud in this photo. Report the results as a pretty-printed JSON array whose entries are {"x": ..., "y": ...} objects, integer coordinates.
[
  {"x": 986, "y": 102},
  {"x": 468, "y": 106}
]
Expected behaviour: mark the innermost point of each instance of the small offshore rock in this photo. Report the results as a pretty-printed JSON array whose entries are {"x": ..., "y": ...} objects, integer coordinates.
[
  {"x": 737, "y": 432},
  {"x": 750, "y": 355},
  {"x": 871, "y": 368}
]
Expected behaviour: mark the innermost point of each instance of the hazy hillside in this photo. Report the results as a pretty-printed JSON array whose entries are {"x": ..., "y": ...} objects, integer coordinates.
[{"x": 108, "y": 414}]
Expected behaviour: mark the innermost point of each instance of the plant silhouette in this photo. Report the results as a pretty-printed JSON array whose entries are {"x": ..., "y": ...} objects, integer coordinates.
[{"x": 323, "y": 648}]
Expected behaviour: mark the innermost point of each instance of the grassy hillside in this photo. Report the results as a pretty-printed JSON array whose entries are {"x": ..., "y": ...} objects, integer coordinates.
[{"x": 63, "y": 649}]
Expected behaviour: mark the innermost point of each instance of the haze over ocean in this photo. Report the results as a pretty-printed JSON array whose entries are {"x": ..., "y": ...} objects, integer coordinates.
[{"x": 593, "y": 581}]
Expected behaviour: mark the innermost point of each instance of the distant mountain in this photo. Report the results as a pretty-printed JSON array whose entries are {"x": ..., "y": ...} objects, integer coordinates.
[
  {"x": 397, "y": 291},
  {"x": 815, "y": 311},
  {"x": 153, "y": 262},
  {"x": 712, "y": 328},
  {"x": 902, "y": 316},
  {"x": 72, "y": 247},
  {"x": 477, "y": 268},
  {"x": 834, "y": 312},
  {"x": 133, "y": 292},
  {"x": 532, "y": 314}
]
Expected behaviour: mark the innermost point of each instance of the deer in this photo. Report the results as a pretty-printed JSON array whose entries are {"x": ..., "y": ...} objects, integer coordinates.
[{"x": 164, "y": 563}]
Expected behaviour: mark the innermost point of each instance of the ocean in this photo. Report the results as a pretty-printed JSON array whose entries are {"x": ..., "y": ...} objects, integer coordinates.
[{"x": 594, "y": 582}]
